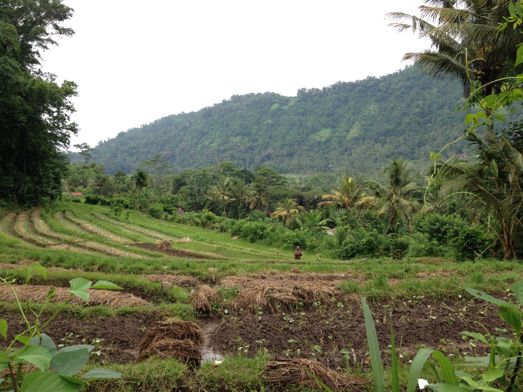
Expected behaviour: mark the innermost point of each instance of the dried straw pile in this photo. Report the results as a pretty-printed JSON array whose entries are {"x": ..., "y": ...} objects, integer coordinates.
[
  {"x": 309, "y": 373},
  {"x": 271, "y": 293},
  {"x": 113, "y": 299},
  {"x": 173, "y": 338},
  {"x": 203, "y": 298},
  {"x": 183, "y": 240},
  {"x": 169, "y": 280},
  {"x": 164, "y": 245}
]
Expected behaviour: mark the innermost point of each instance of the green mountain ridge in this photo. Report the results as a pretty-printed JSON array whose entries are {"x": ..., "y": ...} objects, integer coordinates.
[{"x": 356, "y": 127}]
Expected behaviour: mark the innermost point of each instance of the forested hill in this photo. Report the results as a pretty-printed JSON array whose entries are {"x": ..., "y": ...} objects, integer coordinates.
[{"x": 359, "y": 127}]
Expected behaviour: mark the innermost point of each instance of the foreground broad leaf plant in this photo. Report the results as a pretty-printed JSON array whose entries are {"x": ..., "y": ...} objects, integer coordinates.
[
  {"x": 499, "y": 371},
  {"x": 33, "y": 363}
]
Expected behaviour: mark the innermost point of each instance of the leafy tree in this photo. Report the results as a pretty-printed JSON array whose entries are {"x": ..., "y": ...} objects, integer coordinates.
[
  {"x": 140, "y": 179},
  {"x": 267, "y": 183},
  {"x": 495, "y": 177},
  {"x": 35, "y": 111}
]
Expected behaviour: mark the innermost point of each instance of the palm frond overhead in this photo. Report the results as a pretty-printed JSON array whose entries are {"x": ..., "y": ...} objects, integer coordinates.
[{"x": 466, "y": 40}]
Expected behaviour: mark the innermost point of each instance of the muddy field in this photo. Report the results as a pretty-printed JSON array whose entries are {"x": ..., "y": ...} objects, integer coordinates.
[
  {"x": 335, "y": 335},
  {"x": 332, "y": 333},
  {"x": 116, "y": 339}
]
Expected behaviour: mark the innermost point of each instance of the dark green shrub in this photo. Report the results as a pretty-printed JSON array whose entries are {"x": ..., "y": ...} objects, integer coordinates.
[
  {"x": 256, "y": 215},
  {"x": 254, "y": 231},
  {"x": 207, "y": 218},
  {"x": 291, "y": 239},
  {"x": 349, "y": 249},
  {"x": 422, "y": 246},
  {"x": 91, "y": 199},
  {"x": 363, "y": 243},
  {"x": 156, "y": 210},
  {"x": 398, "y": 247},
  {"x": 121, "y": 202},
  {"x": 471, "y": 243},
  {"x": 440, "y": 228}
]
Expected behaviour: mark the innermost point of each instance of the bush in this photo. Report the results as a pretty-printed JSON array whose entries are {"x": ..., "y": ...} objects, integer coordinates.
[
  {"x": 121, "y": 202},
  {"x": 363, "y": 243},
  {"x": 253, "y": 231},
  {"x": 398, "y": 247},
  {"x": 156, "y": 210},
  {"x": 95, "y": 200},
  {"x": 422, "y": 246},
  {"x": 440, "y": 228},
  {"x": 471, "y": 243}
]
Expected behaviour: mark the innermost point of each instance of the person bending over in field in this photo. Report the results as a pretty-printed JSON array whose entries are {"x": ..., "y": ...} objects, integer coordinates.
[{"x": 297, "y": 253}]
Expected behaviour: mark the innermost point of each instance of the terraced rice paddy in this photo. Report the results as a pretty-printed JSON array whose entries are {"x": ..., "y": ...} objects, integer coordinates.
[{"x": 191, "y": 296}]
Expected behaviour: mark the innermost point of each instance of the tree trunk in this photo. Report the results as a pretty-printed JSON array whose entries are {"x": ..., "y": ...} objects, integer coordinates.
[{"x": 508, "y": 247}]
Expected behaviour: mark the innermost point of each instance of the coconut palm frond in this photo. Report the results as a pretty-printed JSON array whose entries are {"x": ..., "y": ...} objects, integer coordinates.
[{"x": 463, "y": 34}]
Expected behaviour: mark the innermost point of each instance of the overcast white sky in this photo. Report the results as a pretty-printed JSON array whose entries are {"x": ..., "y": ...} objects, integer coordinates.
[{"x": 138, "y": 60}]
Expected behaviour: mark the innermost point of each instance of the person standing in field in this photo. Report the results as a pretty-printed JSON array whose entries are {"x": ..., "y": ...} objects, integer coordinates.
[{"x": 297, "y": 253}]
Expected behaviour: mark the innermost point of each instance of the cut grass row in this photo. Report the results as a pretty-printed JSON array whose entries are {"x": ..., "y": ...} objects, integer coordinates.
[
  {"x": 99, "y": 226},
  {"x": 179, "y": 310},
  {"x": 93, "y": 238},
  {"x": 137, "y": 285},
  {"x": 33, "y": 230},
  {"x": 193, "y": 244},
  {"x": 42, "y": 228},
  {"x": 201, "y": 239}
]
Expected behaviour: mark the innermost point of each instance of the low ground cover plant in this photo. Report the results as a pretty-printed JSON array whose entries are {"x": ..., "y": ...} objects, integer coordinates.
[
  {"x": 498, "y": 371},
  {"x": 32, "y": 362}
]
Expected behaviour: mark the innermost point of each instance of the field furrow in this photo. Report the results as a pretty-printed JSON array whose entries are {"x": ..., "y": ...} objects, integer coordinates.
[
  {"x": 40, "y": 224},
  {"x": 181, "y": 241},
  {"x": 116, "y": 228},
  {"x": 22, "y": 229},
  {"x": 7, "y": 222},
  {"x": 137, "y": 229},
  {"x": 87, "y": 239},
  {"x": 93, "y": 229},
  {"x": 71, "y": 243},
  {"x": 41, "y": 228}
]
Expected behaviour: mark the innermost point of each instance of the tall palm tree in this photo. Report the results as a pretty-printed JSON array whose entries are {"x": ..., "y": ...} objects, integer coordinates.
[
  {"x": 350, "y": 196},
  {"x": 256, "y": 198},
  {"x": 287, "y": 211},
  {"x": 222, "y": 193},
  {"x": 396, "y": 197},
  {"x": 495, "y": 180},
  {"x": 466, "y": 40}
]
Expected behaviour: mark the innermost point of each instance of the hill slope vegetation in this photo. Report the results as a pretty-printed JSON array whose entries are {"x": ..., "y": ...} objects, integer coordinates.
[{"x": 358, "y": 126}]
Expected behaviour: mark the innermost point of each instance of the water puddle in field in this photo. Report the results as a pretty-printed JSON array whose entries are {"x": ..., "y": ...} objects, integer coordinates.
[{"x": 208, "y": 353}]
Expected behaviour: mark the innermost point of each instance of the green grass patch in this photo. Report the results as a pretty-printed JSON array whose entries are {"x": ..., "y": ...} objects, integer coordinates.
[
  {"x": 153, "y": 375},
  {"x": 182, "y": 311},
  {"x": 234, "y": 374},
  {"x": 138, "y": 285}
]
